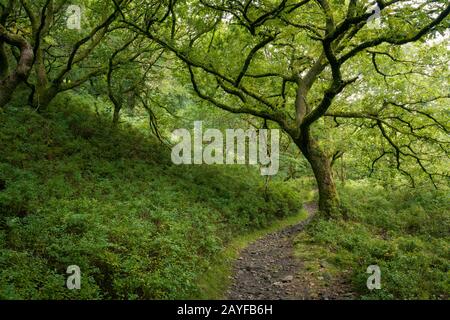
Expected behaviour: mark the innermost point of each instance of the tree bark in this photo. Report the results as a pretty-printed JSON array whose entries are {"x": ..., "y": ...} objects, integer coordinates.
[
  {"x": 321, "y": 165},
  {"x": 4, "y": 64},
  {"x": 116, "y": 115},
  {"x": 10, "y": 83},
  {"x": 43, "y": 96}
]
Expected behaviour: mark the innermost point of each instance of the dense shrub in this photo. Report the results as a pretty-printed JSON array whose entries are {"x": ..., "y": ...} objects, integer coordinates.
[
  {"x": 403, "y": 231},
  {"x": 76, "y": 191}
]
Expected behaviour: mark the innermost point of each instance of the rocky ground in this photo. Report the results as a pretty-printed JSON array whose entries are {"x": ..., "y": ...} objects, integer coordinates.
[{"x": 267, "y": 269}]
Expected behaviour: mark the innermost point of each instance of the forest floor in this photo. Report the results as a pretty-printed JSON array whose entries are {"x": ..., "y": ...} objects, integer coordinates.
[{"x": 269, "y": 269}]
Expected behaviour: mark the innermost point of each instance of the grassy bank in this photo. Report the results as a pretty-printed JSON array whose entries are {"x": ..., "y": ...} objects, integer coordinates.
[{"x": 75, "y": 191}]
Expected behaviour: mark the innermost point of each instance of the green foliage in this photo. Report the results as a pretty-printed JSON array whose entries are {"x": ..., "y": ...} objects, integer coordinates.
[
  {"x": 78, "y": 192},
  {"x": 404, "y": 232},
  {"x": 75, "y": 190}
]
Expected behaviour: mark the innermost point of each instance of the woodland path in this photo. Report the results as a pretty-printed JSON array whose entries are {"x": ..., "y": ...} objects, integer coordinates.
[{"x": 267, "y": 269}]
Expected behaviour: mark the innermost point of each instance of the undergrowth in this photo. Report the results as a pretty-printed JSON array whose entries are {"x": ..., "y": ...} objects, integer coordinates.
[
  {"x": 403, "y": 231},
  {"x": 76, "y": 191}
]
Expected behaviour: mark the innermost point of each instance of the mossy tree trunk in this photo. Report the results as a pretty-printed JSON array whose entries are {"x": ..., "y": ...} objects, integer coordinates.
[
  {"x": 116, "y": 114},
  {"x": 321, "y": 166},
  {"x": 10, "y": 80}
]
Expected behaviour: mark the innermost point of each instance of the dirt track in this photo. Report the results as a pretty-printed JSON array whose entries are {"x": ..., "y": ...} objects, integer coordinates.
[{"x": 267, "y": 269}]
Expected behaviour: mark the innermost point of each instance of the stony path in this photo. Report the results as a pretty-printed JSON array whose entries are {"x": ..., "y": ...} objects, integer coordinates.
[{"x": 267, "y": 269}]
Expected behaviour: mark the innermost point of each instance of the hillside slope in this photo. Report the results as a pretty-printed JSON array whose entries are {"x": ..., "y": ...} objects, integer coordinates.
[{"x": 74, "y": 191}]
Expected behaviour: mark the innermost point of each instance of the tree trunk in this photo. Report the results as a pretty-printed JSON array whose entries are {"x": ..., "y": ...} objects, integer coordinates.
[
  {"x": 43, "y": 93},
  {"x": 4, "y": 64},
  {"x": 9, "y": 83},
  {"x": 321, "y": 166},
  {"x": 116, "y": 115},
  {"x": 43, "y": 96}
]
